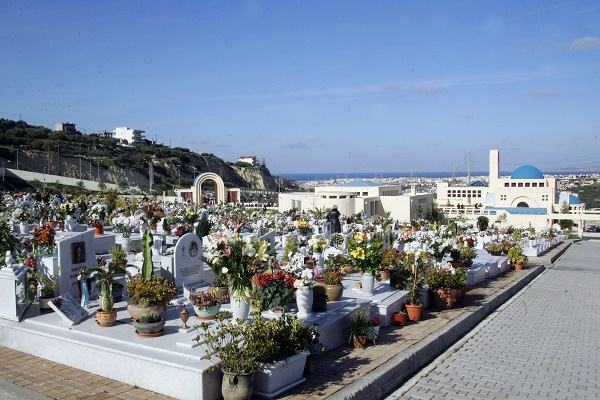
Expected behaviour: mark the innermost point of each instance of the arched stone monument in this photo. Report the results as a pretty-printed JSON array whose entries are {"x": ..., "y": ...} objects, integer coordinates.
[{"x": 219, "y": 187}]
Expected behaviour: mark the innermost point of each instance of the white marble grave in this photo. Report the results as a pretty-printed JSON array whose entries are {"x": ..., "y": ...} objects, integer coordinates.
[{"x": 74, "y": 252}]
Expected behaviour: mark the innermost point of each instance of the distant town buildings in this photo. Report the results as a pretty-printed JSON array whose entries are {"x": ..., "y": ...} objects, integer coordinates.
[
  {"x": 128, "y": 135},
  {"x": 248, "y": 160},
  {"x": 65, "y": 127},
  {"x": 362, "y": 196}
]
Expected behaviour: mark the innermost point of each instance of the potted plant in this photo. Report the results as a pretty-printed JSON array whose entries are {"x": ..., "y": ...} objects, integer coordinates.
[
  {"x": 390, "y": 260},
  {"x": 375, "y": 324},
  {"x": 47, "y": 293},
  {"x": 287, "y": 344},
  {"x": 466, "y": 256},
  {"x": 516, "y": 257},
  {"x": 7, "y": 241},
  {"x": 366, "y": 256},
  {"x": 319, "y": 299},
  {"x": 359, "y": 328},
  {"x": 147, "y": 293},
  {"x": 238, "y": 261},
  {"x": 106, "y": 315},
  {"x": 400, "y": 318},
  {"x": 416, "y": 261},
  {"x": 447, "y": 284},
  {"x": 235, "y": 348},
  {"x": 149, "y": 325},
  {"x": 494, "y": 248},
  {"x": 274, "y": 290},
  {"x": 206, "y": 305},
  {"x": 332, "y": 280}
]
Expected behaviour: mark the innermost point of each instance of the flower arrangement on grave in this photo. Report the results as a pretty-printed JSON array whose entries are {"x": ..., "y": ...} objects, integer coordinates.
[
  {"x": 336, "y": 239},
  {"x": 43, "y": 236},
  {"x": 123, "y": 225},
  {"x": 467, "y": 254},
  {"x": 317, "y": 244},
  {"x": 304, "y": 277},
  {"x": 447, "y": 284},
  {"x": 415, "y": 261},
  {"x": 206, "y": 304},
  {"x": 366, "y": 253},
  {"x": 237, "y": 259},
  {"x": 291, "y": 247},
  {"x": 7, "y": 241},
  {"x": 516, "y": 257},
  {"x": 23, "y": 214},
  {"x": 466, "y": 240},
  {"x": 274, "y": 290},
  {"x": 303, "y": 227},
  {"x": 494, "y": 248}
]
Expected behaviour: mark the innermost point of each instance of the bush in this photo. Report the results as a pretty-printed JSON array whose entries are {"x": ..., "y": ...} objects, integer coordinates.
[
  {"x": 154, "y": 291},
  {"x": 446, "y": 277}
]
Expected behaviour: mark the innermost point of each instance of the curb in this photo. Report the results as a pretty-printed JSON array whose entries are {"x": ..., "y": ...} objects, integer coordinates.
[
  {"x": 387, "y": 377},
  {"x": 10, "y": 391}
]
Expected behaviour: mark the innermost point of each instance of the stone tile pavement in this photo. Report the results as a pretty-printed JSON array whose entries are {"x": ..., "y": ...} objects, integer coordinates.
[{"x": 543, "y": 344}]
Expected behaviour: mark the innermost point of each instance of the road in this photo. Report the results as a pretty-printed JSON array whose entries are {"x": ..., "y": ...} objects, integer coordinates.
[{"x": 543, "y": 344}]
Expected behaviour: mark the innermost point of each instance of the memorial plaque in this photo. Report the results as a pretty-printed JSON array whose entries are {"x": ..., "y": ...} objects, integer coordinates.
[{"x": 68, "y": 308}]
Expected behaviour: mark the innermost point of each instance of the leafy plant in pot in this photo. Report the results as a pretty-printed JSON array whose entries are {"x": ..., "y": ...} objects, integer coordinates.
[
  {"x": 447, "y": 283},
  {"x": 517, "y": 258},
  {"x": 359, "y": 328},
  {"x": 274, "y": 290},
  {"x": 415, "y": 261},
  {"x": 47, "y": 291},
  {"x": 332, "y": 280},
  {"x": 236, "y": 349},
  {"x": 287, "y": 344},
  {"x": 147, "y": 293},
  {"x": 149, "y": 324},
  {"x": 206, "y": 305},
  {"x": 105, "y": 280},
  {"x": 366, "y": 255}
]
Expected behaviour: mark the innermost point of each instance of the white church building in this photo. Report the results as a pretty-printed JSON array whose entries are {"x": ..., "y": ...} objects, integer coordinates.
[
  {"x": 362, "y": 196},
  {"x": 526, "y": 197}
]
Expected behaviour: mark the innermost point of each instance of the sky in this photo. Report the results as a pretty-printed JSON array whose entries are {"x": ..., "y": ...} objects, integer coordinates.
[{"x": 318, "y": 86}]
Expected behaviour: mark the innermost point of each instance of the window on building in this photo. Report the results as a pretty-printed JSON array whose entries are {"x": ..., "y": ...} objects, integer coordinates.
[
  {"x": 544, "y": 197},
  {"x": 506, "y": 184},
  {"x": 513, "y": 184},
  {"x": 542, "y": 184},
  {"x": 534, "y": 184},
  {"x": 503, "y": 197},
  {"x": 527, "y": 184},
  {"x": 342, "y": 197},
  {"x": 365, "y": 193},
  {"x": 520, "y": 184}
]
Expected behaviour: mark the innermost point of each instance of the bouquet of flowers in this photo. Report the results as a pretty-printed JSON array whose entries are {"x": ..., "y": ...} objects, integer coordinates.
[
  {"x": 236, "y": 259},
  {"x": 274, "y": 289},
  {"x": 365, "y": 253},
  {"x": 303, "y": 227},
  {"x": 123, "y": 225},
  {"x": 304, "y": 276}
]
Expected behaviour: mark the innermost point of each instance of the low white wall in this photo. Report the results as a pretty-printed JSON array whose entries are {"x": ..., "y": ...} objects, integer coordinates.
[{"x": 63, "y": 180}]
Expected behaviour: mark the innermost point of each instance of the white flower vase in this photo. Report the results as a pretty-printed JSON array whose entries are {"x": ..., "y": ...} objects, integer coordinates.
[
  {"x": 143, "y": 228},
  {"x": 368, "y": 284},
  {"x": 240, "y": 308},
  {"x": 304, "y": 301},
  {"x": 23, "y": 228}
]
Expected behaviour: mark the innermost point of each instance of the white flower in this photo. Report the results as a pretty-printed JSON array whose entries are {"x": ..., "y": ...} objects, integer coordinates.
[{"x": 224, "y": 270}]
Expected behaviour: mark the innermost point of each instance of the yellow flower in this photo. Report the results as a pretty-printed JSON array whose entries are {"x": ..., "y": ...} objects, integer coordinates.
[{"x": 358, "y": 253}]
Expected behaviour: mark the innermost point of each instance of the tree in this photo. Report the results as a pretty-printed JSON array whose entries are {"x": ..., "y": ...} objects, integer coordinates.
[
  {"x": 565, "y": 223},
  {"x": 483, "y": 222}
]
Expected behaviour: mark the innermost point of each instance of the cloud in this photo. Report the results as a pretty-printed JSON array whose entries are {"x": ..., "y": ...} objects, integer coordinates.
[
  {"x": 297, "y": 146},
  {"x": 585, "y": 43},
  {"x": 541, "y": 93}
]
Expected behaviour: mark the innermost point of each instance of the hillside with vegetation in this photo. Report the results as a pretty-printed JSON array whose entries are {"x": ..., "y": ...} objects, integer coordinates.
[
  {"x": 94, "y": 157},
  {"x": 590, "y": 195}
]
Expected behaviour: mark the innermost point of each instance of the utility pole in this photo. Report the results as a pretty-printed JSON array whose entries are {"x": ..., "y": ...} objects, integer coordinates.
[
  {"x": 79, "y": 166},
  {"x": 58, "y": 159},
  {"x": 90, "y": 161},
  {"x": 18, "y": 158},
  {"x": 150, "y": 175}
]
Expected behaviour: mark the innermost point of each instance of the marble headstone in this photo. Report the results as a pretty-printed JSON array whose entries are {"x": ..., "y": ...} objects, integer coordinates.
[
  {"x": 68, "y": 309},
  {"x": 74, "y": 253},
  {"x": 189, "y": 270}
]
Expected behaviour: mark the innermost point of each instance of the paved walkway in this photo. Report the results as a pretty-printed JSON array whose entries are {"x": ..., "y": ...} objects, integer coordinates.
[{"x": 544, "y": 344}]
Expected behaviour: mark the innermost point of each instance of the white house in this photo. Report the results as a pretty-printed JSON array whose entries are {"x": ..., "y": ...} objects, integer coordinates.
[
  {"x": 364, "y": 196},
  {"x": 248, "y": 160},
  {"x": 128, "y": 135},
  {"x": 526, "y": 197}
]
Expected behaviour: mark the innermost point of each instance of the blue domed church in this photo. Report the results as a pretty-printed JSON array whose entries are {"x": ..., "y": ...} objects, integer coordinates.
[{"x": 521, "y": 196}]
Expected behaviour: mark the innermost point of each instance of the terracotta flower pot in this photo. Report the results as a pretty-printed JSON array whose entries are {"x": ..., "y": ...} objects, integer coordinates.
[
  {"x": 106, "y": 318},
  {"x": 98, "y": 229},
  {"x": 519, "y": 266},
  {"x": 384, "y": 275},
  {"x": 414, "y": 311},
  {"x": 400, "y": 319},
  {"x": 359, "y": 342},
  {"x": 446, "y": 298}
]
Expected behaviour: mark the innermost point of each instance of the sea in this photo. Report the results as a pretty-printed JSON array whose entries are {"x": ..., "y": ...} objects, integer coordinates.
[{"x": 321, "y": 176}]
